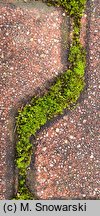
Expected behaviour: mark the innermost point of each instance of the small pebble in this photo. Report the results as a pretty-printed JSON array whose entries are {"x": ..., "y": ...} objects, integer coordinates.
[{"x": 57, "y": 130}]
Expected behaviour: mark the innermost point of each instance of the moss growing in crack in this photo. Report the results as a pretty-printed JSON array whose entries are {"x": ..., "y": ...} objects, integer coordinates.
[
  {"x": 73, "y": 7},
  {"x": 65, "y": 91}
]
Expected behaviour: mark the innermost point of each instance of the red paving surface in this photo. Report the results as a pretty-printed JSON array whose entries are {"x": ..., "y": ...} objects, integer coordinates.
[
  {"x": 67, "y": 155},
  {"x": 67, "y": 159},
  {"x": 31, "y": 46}
]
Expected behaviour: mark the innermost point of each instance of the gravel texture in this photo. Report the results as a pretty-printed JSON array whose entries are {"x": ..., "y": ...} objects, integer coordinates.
[
  {"x": 32, "y": 52},
  {"x": 66, "y": 162},
  {"x": 67, "y": 158}
]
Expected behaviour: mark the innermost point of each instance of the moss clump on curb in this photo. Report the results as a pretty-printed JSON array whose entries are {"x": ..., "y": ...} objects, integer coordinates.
[{"x": 65, "y": 91}]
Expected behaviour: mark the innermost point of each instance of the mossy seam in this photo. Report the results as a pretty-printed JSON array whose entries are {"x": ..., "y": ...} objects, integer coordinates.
[{"x": 62, "y": 94}]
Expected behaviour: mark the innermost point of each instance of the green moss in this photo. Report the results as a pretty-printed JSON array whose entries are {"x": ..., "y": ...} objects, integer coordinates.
[
  {"x": 62, "y": 94},
  {"x": 74, "y": 7}
]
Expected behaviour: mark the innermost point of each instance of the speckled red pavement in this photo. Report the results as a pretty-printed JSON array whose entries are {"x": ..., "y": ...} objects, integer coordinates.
[
  {"x": 67, "y": 159},
  {"x": 67, "y": 156},
  {"x": 32, "y": 52}
]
